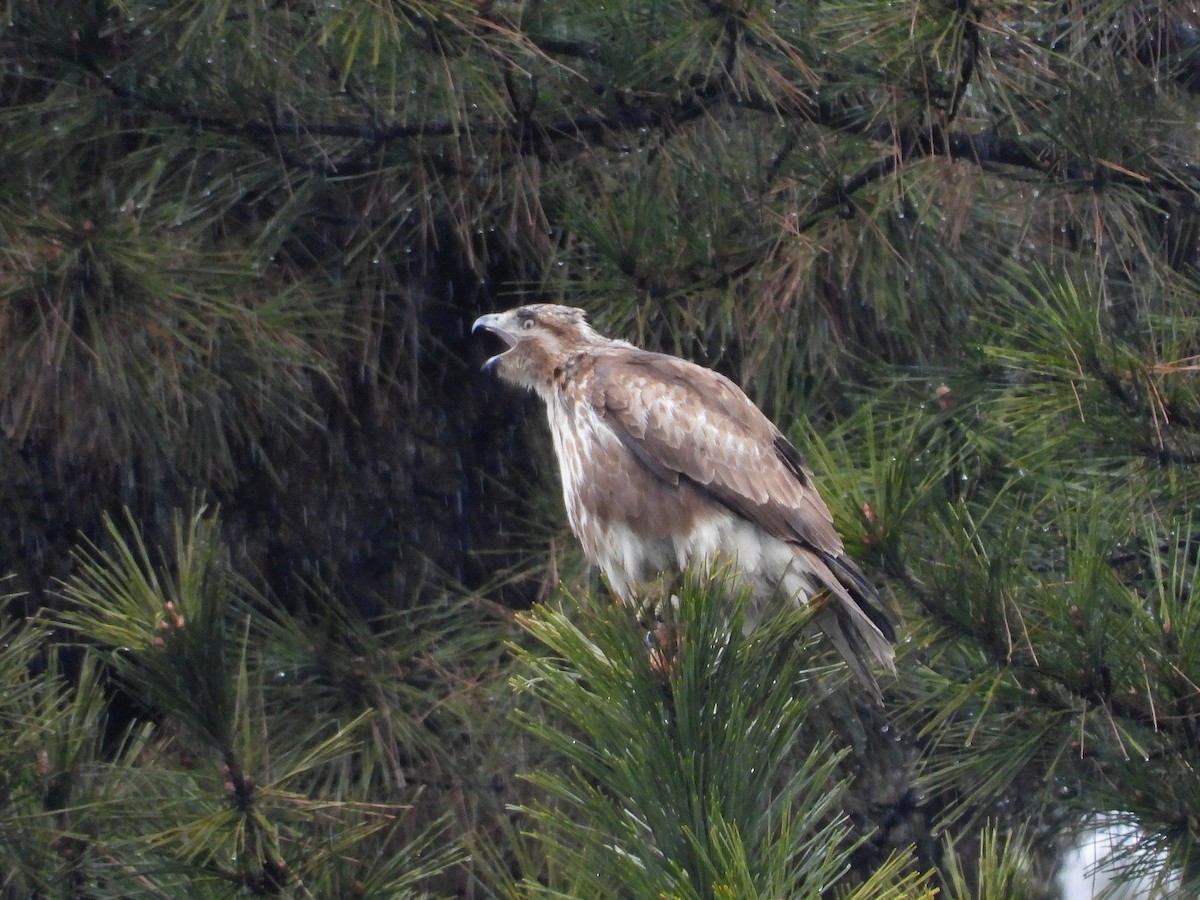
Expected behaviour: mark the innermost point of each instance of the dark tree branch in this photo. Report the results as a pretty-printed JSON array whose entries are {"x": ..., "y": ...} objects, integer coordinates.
[
  {"x": 578, "y": 49},
  {"x": 540, "y": 138},
  {"x": 967, "y": 9}
]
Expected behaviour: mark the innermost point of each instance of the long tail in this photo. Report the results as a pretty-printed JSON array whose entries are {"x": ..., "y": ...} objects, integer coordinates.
[
  {"x": 863, "y": 593},
  {"x": 853, "y": 617},
  {"x": 857, "y": 644}
]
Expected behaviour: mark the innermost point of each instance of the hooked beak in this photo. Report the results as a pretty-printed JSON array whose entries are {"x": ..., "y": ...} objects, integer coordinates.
[{"x": 494, "y": 322}]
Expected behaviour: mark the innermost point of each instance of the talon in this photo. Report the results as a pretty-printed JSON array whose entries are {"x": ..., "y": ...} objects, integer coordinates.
[{"x": 664, "y": 650}]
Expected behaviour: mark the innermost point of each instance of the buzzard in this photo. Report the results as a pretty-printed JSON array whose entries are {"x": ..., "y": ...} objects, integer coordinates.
[{"x": 667, "y": 465}]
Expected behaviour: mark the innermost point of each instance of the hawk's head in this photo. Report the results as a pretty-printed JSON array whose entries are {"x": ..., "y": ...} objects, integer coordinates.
[{"x": 539, "y": 338}]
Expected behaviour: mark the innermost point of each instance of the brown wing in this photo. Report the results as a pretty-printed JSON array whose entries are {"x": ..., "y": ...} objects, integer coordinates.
[{"x": 684, "y": 421}]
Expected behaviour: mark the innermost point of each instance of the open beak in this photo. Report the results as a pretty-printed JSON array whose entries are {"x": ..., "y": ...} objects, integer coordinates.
[{"x": 494, "y": 322}]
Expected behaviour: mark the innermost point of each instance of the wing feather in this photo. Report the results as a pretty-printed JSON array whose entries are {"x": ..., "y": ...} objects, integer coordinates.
[{"x": 682, "y": 420}]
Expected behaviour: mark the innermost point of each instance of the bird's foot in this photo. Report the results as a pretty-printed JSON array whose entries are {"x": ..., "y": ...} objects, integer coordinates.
[{"x": 664, "y": 643}]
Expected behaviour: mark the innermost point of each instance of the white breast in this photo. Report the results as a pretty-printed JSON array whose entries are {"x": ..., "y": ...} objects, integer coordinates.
[
  {"x": 589, "y": 453},
  {"x": 765, "y": 564}
]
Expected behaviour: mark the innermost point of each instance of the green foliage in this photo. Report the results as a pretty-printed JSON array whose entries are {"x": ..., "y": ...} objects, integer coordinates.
[
  {"x": 1002, "y": 871},
  {"x": 950, "y": 247},
  {"x": 1035, "y": 516},
  {"x": 128, "y": 331},
  {"x": 166, "y": 624},
  {"x": 218, "y": 787},
  {"x": 681, "y": 772}
]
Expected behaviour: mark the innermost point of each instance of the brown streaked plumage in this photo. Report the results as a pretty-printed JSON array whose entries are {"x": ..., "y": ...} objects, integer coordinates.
[{"x": 666, "y": 464}]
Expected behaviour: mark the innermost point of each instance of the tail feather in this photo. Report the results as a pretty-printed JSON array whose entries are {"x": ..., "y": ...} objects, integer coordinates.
[
  {"x": 852, "y": 617},
  {"x": 862, "y": 592},
  {"x": 856, "y": 644}
]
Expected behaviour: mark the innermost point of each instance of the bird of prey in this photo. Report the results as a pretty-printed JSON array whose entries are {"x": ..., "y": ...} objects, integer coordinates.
[{"x": 667, "y": 465}]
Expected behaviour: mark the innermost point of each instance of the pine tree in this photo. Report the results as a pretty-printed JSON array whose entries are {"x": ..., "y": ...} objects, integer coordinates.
[
  {"x": 698, "y": 770},
  {"x": 951, "y": 247}
]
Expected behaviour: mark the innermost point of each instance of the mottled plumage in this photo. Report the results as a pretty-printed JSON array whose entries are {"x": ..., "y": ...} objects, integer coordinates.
[{"x": 666, "y": 465}]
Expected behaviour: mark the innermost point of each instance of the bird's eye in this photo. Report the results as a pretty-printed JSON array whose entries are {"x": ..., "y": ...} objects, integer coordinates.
[{"x": 527, "y": 324}]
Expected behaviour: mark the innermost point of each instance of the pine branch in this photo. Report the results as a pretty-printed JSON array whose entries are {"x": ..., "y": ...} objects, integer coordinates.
[
  {"x": 911, "y": 142},
  {"x": 1099, "y": 689}
]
